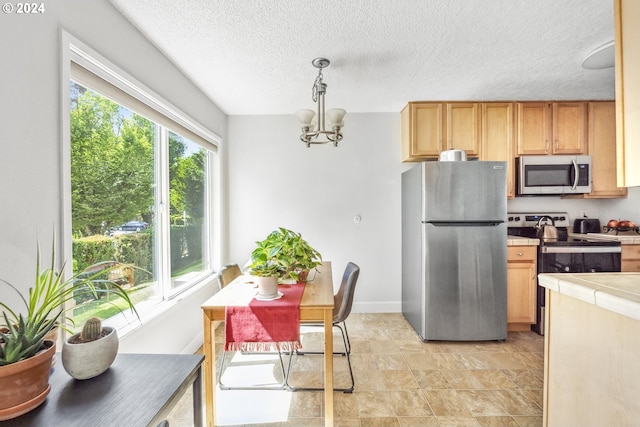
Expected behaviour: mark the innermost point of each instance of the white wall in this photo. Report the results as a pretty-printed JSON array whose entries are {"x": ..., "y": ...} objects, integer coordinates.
[
  {"x": 274, "y": 180},
  {"x": 30, "y": 142}
]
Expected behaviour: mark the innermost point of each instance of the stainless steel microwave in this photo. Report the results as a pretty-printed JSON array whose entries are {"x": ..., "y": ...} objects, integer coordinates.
[{"x": 548, "y": 175}]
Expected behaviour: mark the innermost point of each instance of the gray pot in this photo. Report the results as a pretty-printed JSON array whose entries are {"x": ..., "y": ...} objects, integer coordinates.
[
  {"x": 453, "y": 155},
  {"x": 90, "y": 359}
]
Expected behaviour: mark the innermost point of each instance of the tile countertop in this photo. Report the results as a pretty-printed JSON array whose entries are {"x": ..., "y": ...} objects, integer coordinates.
[
  {"x": 616, "y": 292},
  {"x": 626, "y": 238},
  {"x": 521, "y": 241}
]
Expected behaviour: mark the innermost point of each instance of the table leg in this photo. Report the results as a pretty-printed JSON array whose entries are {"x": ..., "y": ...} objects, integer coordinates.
[
  {"x": 197, "y": 399},
  {"x": 209, "y": 370},
  {"x": 328, "y": 368}
]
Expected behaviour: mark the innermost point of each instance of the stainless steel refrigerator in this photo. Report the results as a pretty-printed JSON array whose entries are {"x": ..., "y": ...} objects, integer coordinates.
[{"x": 454, "y": 250}]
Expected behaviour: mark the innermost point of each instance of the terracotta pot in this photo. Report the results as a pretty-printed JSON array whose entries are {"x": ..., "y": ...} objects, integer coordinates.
[
  {"x": 89, "y": 359},
  {"x": 24, "y": 385},
  {"x": 303, "y": 276}
]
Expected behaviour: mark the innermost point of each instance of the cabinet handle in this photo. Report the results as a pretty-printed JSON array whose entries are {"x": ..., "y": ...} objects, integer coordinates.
[
  {"x": 520, "y": 253},
  {"x": 546, "y": 143},
  {"x": 556, "y": 145}
]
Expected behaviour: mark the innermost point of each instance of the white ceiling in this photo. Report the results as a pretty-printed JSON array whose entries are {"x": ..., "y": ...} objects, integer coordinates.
[{"x": 254, "y": 56}]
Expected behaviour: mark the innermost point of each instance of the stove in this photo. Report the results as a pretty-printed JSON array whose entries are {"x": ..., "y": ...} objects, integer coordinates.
[{"x": 567, "y": 254}]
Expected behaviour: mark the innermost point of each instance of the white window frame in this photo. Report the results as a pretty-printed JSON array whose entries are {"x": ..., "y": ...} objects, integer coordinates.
[{"x": 171, "y": 118}]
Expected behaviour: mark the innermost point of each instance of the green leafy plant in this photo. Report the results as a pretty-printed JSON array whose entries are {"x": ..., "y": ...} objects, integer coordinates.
[
  {"x": 47, "y": 307},
  {"x": 283, "y": 253}
]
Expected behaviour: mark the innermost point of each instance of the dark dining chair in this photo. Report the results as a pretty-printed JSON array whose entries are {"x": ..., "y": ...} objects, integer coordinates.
[{"x": 343, "y": 301}]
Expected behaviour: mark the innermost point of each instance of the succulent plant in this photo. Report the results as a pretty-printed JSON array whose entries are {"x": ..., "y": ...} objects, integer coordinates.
[
  {"x": 47, "y": 306},
  {"x": 92, "y": 330}
]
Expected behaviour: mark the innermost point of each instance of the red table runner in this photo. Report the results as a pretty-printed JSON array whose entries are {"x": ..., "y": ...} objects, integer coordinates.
[{"x": 263, "y": 325}]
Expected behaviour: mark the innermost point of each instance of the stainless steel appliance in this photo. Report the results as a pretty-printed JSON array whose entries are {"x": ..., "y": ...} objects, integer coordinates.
[
  {"x": 454, "y": 250},
  {"x": 567, "y": 254},
  {"x": 547, "y": 175}
]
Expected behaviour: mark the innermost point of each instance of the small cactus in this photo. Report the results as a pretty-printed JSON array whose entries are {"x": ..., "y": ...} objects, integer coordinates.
[{"x": 92, "y": 330}]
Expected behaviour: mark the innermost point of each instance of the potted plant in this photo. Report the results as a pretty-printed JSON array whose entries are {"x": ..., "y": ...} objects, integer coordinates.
[
  {"x": 303, "y": 257},
  {"x": 25, "y": 353},
  {"x": 267, "y": 265},
  {"x": 286, "y": 254},
  {"x": 90, "y": 352}
]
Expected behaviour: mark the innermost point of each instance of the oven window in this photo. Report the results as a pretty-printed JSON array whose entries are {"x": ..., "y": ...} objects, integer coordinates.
[{"x": 580, "y": 262}]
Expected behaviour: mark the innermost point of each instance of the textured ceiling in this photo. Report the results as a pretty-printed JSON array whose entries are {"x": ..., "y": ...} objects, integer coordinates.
[{"x": 254, "y": 56}]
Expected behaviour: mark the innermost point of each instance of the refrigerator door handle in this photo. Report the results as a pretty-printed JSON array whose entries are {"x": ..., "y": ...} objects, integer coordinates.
[{"x": 487, "y": 223}]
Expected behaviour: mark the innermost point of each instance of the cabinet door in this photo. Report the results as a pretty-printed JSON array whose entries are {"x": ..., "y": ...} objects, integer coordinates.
[
  {"x": 422, "y": 131},
  {"x": 627, "y": 69},
  {"x": 534, "y": 128},
  {"x": 497, "y": 138},
  {"x": 463, "y": 127},
  {"x": 569, "y": 127},
  {"x": 630, "y": 258},
  {"x": 521, "y": 286},
  {"x": 602, "y": 148},
  {"x": 521, "y": 292}
]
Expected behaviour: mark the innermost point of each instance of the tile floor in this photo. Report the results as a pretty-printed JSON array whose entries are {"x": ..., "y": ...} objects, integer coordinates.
[{"x": 400, "y": 381}]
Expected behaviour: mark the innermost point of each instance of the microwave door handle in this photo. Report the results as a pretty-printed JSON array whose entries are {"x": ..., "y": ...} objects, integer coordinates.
[{"x": 576, "y": 174}]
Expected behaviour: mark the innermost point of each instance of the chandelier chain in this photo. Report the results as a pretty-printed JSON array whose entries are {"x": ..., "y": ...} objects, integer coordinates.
[{"x": 316, "y": 85}]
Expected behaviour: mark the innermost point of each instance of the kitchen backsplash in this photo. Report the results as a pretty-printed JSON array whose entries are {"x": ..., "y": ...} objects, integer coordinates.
[{"x": 603, "y": 209}]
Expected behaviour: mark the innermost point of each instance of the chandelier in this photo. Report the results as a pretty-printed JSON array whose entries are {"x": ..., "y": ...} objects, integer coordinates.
[{"x": 315, "y": 133}]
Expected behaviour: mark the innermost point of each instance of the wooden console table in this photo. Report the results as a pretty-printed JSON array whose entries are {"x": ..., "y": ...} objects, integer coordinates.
[{"x": 137, "y": 390}]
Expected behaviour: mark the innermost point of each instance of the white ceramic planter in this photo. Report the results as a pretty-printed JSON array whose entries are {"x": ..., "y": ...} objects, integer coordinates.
[
  {"x": 267, "y": 286},
  {"x": 87, "y": 360}
]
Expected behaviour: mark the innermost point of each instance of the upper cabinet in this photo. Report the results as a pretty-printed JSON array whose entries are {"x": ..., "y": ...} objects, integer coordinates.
[
  {"x": 431, "y": 127},
  {"x": 602, "y": 148},
  {"x": 463, "y": 127},
  {"x": 502, "y": 131},
  {"x": 551, "y": 128},
  {"x": 422, "y": 131},
  {"x": 627, "y": 54},
  {"x": 497, "y": 138}
]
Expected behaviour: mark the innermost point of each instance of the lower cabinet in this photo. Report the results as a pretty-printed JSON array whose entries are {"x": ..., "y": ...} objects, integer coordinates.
[
  {"x": 521, "y": 287},
  {"x": 630, "y": 258}
]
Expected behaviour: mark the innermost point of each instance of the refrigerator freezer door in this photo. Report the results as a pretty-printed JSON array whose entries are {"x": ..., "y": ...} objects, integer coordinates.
[
  {"x": 465, "y": 282},
  {"x": 465, "y": 191}
]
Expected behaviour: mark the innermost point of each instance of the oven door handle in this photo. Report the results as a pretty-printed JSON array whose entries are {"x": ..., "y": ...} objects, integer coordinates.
[
  {"x": 580, "y": 249},
  {"x": 576, "y": 174}
]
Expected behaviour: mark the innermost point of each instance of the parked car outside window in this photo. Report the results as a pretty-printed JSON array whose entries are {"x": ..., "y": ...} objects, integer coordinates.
[{"x": 129, "y": 227}]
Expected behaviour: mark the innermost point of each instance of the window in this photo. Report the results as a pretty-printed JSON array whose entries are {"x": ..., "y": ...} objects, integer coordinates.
[{"x": 141, "y": 181}]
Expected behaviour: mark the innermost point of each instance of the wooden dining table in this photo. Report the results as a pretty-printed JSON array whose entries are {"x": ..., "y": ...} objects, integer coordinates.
[{"x": 316, "y": 306}]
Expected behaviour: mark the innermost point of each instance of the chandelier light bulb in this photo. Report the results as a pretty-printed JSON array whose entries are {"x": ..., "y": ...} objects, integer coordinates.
[
  {"x": 335, "y": 116},
  {"x": 305, "y": 117}
]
